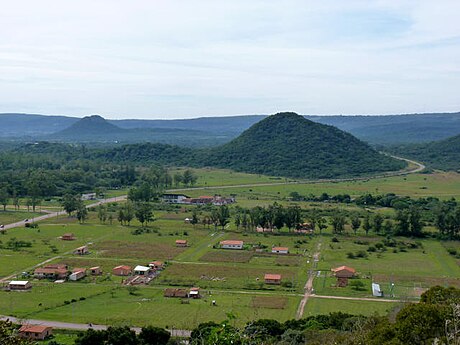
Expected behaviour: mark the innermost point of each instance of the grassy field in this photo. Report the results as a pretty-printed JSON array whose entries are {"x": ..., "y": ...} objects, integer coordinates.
[
  {"x": 233, "y": 278},
  {"x": 12, "y": 216}
]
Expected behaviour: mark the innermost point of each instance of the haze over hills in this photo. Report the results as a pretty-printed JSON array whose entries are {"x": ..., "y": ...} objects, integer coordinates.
[
  {"x": 383, "y": 130},
  {"x": 95, "y": 129}
]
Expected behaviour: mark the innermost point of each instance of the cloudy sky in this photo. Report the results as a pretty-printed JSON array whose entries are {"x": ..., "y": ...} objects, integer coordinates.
[{"x": 190, "y": 58}]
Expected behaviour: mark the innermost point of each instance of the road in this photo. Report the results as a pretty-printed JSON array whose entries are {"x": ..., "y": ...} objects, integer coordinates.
[
  {"x": 61, "y": 213},
  {"x": 419, "y": 167},
  {"x": 82, "y": 326},
  {"x": 309, "y": 284}
]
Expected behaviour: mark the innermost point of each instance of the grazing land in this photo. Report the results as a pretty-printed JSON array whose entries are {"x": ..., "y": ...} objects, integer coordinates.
[{"x": 234, "y": 279}]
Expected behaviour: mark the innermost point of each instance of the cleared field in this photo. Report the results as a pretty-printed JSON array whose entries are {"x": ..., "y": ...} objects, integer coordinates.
[
  {"x": 11, "y": 216},
  {"x": 439, "y": 184},
  {"x": 317, "y": 306},
  {"x": 146, "y": 307}
]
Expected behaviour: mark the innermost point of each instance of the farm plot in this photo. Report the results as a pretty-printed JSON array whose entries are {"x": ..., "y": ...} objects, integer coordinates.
[
  {"x": 228, "y": 276},
  {"x": 147, "y": 306},
  {"x": 317, "y": 306}
]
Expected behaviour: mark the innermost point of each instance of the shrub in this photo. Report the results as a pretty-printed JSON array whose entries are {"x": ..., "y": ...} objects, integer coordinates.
[
  {"x": 371, "y": 249},
  {"x": 335, "y": 239},
  {"x": 350, "y": 255},
  {"x": 361, "y": 254}
]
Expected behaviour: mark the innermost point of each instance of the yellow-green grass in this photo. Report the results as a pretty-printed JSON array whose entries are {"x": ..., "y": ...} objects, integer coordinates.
[
  {"x": 225, "y": 177},
  {"x": 63, "y": 337},
  {"x": 146, "y": 307},
  {"x": 316, "y": 306},
  {"x": 12, "y": 216},
  {"x": 411, "y": 271},
  {"x": 439, "y": 184},
  {"x": 230, "y": 276}
]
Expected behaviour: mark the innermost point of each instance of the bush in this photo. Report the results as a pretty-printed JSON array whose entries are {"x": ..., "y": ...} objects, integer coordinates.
[
  {"x": 335, "y": 239},
  {"x": 361, "y": 254},
  {"x": 350, "y": 255},
  {"x": 371, "y": 249}
]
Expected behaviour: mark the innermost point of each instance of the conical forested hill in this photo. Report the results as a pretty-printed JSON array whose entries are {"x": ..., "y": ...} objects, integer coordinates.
[
  {"x": 287, "y": 144},
  {"x": 89, "y": 126}
]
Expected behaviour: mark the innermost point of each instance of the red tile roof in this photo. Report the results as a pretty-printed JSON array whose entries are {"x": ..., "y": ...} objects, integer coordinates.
[
  {"x": 343, "y": 268},
  {"x": 280, "y": 248},
  {"x": 272, "y": 277},
  {"x": 231, "y": 242},
  {"x": 34, "y": 328}
]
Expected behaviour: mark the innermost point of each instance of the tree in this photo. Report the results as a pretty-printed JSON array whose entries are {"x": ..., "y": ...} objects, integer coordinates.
[
  {"x": 322, "y": 224},
  {"x": 153, "y": 336},
  {"x": 144, "y": 212},
  {"x": 338, "y": 222},
  {"x": 102, "y": 213},
  {"x": 377, "y": 223},
  {"x": 195, "y": 220},
  {"x": 178, "y": 179},
  {"x": 223, "y": 216},
  {"x": 367, "y": 225},
  {"x": 4, "y": 197},
  {"x": 128, "y": 212},
  {"x": 355, "y": 224},
  {"x": 402, "y": 222},
  {"x": 292, "y": 217},
  {"x": 388, "y": 227},
  {"x": 82, "y": 212},
  {"x": 9, "y": 336},
  {"x": 415, "y": 223},
  {"x": 70, "y": 203}
]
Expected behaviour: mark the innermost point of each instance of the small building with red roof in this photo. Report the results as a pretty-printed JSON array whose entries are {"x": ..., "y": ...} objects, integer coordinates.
[
  {"x": 35, "y": 332},
  {"x": 231, "y": 244},
  {"x": 272, "y": 278},
  {"x": 343, "y": 272},
  {"x": 280, "y": 250}
]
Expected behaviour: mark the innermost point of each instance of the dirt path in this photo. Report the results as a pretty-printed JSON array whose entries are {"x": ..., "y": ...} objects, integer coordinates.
[
  {"x": 82, "y": 326},
  {"x": 309, "y": 284}
]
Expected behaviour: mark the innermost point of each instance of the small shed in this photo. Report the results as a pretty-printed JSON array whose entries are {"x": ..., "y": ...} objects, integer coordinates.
[
  {"x": 68, "y": 237},
  {"x": 35, "y": 332},
  {"x": 231, "y": 244},
  {"x": 19, "y": 285},
  {"x": 343, "y": 272},
  {"x": 141, "y": 270},
  {"x": 195, "y": 292},
  {"x": 181, "y": 243},
  {"x": 83, "y": 250},
  {"x": 95, "y": 271},
  {"x": 77, "y": 274},
  {"x": 376, "y": 291},
  {"x": 272, "y": 279},
  {"x": 280, "y": 250},
  {"x": 122, "y": 270}
]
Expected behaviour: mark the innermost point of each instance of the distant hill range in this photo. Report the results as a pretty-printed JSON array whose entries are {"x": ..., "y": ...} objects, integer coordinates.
[
  {"x": 443, "y": 154},
  {"x": 95, "y": 129},
  {"x": 285, "y": 144},
  {"x": 212, "y": 131}
]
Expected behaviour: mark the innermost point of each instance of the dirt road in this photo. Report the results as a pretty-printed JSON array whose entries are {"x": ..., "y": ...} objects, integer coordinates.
[{"x": 309, "y": 284}]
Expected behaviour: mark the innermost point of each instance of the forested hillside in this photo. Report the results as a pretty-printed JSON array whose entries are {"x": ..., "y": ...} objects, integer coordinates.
[
  {"x": 443, "y": 155},
  {"x": 286, "y": 144}
]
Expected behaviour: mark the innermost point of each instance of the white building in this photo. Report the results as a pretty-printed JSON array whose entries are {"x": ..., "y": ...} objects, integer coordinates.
[
  {"x": 19, "y": 285},
  {"x": 141, "y": 270},
  {"x": 231, "y": 244},
  {"x": 376, "y": 292},
  {"x": 280, "y": 250},
  {"x": 174, "y": 198}
]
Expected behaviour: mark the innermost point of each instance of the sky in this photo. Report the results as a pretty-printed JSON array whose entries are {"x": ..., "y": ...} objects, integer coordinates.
[{"x": 192, "y": 58}]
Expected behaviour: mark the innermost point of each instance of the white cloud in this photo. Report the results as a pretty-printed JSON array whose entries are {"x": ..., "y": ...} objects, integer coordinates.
[{"x": 190, "y": 58}]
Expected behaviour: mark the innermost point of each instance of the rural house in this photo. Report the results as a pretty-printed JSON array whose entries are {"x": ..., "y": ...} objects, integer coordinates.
[
  {"x": 81, "y": 250},
  {"x": 51, "y": 272},
  {"x": 174, "y": 198},
  {"x": 19, "y": 285},
  {"x": 280, "y": 250},
  {"x": 181, "y": 243},
  {"x": 68, "y": 237},
  {"x": 77, "y": 274},
  {"x": 121, "y": 270},
  {"x": 178, "y": 293},
  {"x": 272, "y": 279},
  {"x": 141, "y": 270},
  {"x": 88, "y": 196},
  {"x": 35, "y": 332},
  {"x": 343, "y": 272},
  {"x": 231, "y": 244},
  {"x": 95, "y": 271},
  {"x": 157, "y": 265}
]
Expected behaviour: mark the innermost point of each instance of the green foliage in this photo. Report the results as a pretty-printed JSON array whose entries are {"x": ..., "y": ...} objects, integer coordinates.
[{"x": 286, "y": 144}]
